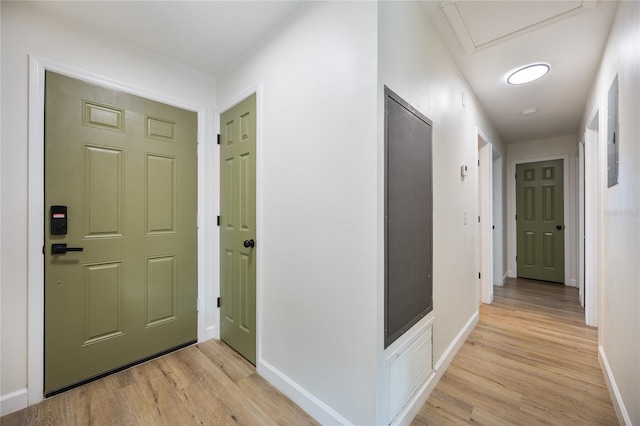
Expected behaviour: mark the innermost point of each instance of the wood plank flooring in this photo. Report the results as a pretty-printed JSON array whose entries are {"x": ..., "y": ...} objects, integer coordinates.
[
  {"x": 203, "y": 384},
  {"x": 530, "y": 360}
]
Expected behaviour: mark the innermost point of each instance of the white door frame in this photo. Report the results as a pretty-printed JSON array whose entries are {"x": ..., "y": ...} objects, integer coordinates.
[
  {"x": 36, "y": 216},
  {"x": 485, "y": 211},
  {"x": 497, "y": 228},
  {"x": 513, "y": 240},
  {"x": 581, "y": 227},
  {"x": 595, "y": 176}
]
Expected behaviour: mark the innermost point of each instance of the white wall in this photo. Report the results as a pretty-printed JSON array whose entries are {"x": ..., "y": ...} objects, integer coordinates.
[
  {"x": 619, "y": 318},
  {"x": 413, "y": 62},
  {"x": 317, "y": 206},
  {"x": 25, "y": 30},
  {"x": 556, "y": 147}
]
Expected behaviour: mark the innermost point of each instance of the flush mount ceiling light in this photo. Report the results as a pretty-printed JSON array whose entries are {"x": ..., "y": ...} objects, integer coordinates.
[{"x": 528, "y": 74}]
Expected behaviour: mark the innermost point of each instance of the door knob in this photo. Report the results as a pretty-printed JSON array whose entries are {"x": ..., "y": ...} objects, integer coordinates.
[
  {"x": 63, "y": 249},
  {"x": 559, "y": 227},
  {"x": 249, "y": 243}
]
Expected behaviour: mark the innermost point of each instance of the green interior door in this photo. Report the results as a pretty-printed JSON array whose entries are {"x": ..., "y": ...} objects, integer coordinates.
[
  {"x": 540, "y": 220},
  {"x": 125, "y": 168},
  {"x": 238, "y": 228}
]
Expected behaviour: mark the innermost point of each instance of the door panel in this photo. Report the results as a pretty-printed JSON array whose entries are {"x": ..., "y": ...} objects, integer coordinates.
[
  {"x": 125, "y": 167},
  {"x": 103, "y": 190},
  {"x": 540, "y": 211},
  {"x": 237, "y": 225}
]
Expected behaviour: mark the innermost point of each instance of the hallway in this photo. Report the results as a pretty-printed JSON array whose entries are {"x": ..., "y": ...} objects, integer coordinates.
[
  {"x": 530, "y": 360},
  {"x": 319, "y": 70}
]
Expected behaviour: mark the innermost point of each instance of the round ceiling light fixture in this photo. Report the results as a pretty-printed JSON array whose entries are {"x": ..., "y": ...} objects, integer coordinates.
[{"x": 528, "y": 74}]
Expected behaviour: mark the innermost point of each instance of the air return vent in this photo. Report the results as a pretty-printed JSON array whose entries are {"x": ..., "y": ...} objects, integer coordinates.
[{"x": 408, "y": 368}]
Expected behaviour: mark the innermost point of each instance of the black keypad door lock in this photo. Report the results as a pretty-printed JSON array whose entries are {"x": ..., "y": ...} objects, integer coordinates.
[{"x": 58, "y": 220}]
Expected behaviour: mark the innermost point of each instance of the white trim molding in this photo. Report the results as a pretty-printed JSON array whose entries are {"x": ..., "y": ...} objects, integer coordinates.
[
  {"x": 485, "y": 206},
  {"x": 616, "y": 397},
  {"x": 13, "y": 401},
  {"x": 35, "y": 241},
  {"x": 299, "y": 395},
  {"x": 595, "y": 177}
]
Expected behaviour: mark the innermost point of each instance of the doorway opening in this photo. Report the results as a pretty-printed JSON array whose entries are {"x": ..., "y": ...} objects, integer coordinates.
[
  {"x": 540, "y": 220},
  {"x": 592, "y": 221},
  {"x": 485, "y": 218},
  {"x": 36, "y": 207},
  {"x": 568, "y": 221},
  {"x": 238, "y": 233}
]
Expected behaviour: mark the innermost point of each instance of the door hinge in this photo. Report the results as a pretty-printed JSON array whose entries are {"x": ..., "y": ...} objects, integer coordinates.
[
  {"x": 515, "y": 176},
  {"x": 218, "y": 220},
  {"x": 218, "y": 138},
  {"x": 478, "y": 163},
  {"x": 479, "y": 275},
  {"x": 218, "y": 302},
  {"x": 516, "y": 217},
  {"x": 478, "y": 219},
  {"x": 43, "y": 250},
  {"x": 516, "y": 258}
]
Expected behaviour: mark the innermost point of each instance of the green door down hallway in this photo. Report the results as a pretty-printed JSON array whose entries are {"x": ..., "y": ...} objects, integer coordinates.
[
  {"x": 238, "y": 228},
  {"x": 540, "y": 220},
  {"x": 121, "y": 171}
]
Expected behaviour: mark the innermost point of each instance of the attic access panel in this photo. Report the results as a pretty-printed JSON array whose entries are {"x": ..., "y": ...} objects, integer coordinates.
[
  {"x": 408, "y": 217},
  {"x": 482, "y": 24}
]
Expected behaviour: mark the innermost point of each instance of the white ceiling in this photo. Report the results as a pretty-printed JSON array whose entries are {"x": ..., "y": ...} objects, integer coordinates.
[
  {"x": 502, "y": 36},
  {"x": 497, "y": 37},
  {"x": 204, "y": 35}
]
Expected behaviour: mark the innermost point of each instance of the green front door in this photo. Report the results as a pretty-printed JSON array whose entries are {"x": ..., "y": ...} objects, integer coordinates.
[
  {"x": 540, "y": 220},
  {"x": 238, "y": 228},
  {"x": 125, "y": 169}
]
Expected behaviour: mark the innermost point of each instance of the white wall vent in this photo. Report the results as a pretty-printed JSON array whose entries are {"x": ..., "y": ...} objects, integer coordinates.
[{"x": 408, "y": 368}]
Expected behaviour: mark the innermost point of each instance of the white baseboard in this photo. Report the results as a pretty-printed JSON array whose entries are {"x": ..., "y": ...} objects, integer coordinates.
[
  {"x": 457, "y": 343},
  {"x": 14, "y": 401},
  {"x": 304, "y": 399},
  {"x": 210, "y": 332},
  {"x": 500, "y": 281},
  {"x": 408, "y": 413},
  {"x": 616, "y": 398},
  {"x": 572, "y": 283}
]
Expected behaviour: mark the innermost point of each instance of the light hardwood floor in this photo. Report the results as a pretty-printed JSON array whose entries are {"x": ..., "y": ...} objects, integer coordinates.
[
  {"x": 203, "y": 384},
  {"x": 530, "y": 360}
]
